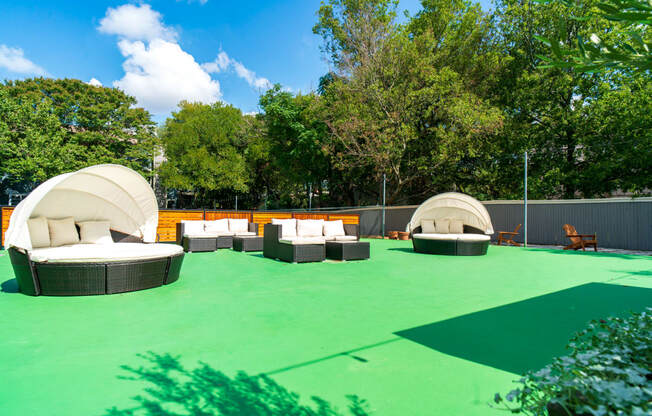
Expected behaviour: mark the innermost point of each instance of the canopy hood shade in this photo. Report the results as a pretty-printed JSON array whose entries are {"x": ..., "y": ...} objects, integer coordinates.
[
  {"x": 103, "y": 192},
  {"x": 453, "y": 205}
]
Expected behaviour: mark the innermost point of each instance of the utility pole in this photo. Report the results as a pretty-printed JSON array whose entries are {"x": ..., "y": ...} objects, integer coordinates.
[{"x": 525, "y": 201}]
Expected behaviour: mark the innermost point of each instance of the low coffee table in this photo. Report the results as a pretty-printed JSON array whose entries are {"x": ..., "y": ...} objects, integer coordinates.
[
  {"x": 347, "y": 250},
  {"x": 248, "y": 243}
]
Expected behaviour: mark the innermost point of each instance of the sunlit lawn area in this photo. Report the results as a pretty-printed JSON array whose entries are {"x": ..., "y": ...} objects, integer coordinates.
[{"x": 412, "y": 334}]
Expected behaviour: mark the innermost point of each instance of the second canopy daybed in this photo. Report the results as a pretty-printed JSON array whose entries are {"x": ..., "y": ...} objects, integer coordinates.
[
  {"x": 452, "y": 224},
  {"x": 90, "y": 232}
]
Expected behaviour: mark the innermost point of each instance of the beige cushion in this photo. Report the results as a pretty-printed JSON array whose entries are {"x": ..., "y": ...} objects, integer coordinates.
[
  {"x": 333, "y": 228},
  {"x": 84, "y": 253},
  {"x": 346, "y": 238},
  {"x": 200, "y": 235},
  {"x": 442, "y": 226},
  {"x": 456, "y": 226},
  {"x": 463, "y": 237},
  {"x": 428, "y": 226},
  {"x": 310, "y": 228},
  {"x": 303, "y": 240},
  {"x": 39, "y": 232},
  {"x": 288, "y": 226},
  {"x": 238, "y": 225},
  {"x": 192, "y": 226},
  {"x": 62, "y": 232},
  {"x": 246, "y": 234},
  {"x": 95, "y": 232},
  {"x": 217, "y": 226},
  {"x": 473, "y": 237}
]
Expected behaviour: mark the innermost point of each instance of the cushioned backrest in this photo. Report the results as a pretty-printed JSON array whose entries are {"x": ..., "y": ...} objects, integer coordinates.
[
  {"x": 193, "y": 227},
  {"x": 95, "y": 232},
  {"x": 428, "y": 226},
  {"x": 334, "y": 228},
  {"x": 442, "y": 226},
  {"x": 217, "y": 226},
  {"x": 310, "y": 228},
  {"x": 62, "y": 232},
  {"x": 238, "y": 225},
  {"x": 288, "y": 227},
  {"x": 39, "y": 232}
]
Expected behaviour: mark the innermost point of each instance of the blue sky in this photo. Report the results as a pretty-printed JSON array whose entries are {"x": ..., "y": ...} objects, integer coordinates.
[{"x": 161, "y": 51}]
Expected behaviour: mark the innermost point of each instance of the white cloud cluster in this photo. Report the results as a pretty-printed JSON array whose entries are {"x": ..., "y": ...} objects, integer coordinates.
[
  {"x": 158, "y": 72},
  {"x": 136, "y": 23},
  {"x": 224, "y": 62},
  {"x": 94, "y": 82},
  {"x": 13, "y": 59}
]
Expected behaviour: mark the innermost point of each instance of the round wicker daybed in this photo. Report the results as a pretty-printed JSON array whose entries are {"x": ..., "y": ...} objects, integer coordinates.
[
  {"x": 90, "y": 232},
  {"x": 451, "y": 224}
]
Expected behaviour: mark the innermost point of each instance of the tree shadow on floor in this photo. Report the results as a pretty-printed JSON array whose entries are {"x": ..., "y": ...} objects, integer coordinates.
[
  {"x": 173, "y": 390},
  {"x": 9, "y": 286},
  {"x": 526, "y": 335}
]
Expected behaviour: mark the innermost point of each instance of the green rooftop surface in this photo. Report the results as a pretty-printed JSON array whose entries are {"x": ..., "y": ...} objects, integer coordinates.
[{"x": 412, "y": 334}]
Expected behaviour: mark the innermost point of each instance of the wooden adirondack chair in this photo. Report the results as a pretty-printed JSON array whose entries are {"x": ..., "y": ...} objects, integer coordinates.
[
  {"x": 579, "y": 240},
  {"x": 508, "y": 236}
]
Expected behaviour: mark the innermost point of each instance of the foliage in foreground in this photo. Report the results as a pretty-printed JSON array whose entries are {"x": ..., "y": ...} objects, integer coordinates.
[
  {"x": 176, "y": 391},
  {"x": 609, "y": 372}
]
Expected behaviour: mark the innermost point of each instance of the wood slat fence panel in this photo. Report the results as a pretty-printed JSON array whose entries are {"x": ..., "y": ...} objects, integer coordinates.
[
  {"x": 168, "y": 219},
  {"x": 218, "y": 215},
  {"x": 5, "y": 214}
]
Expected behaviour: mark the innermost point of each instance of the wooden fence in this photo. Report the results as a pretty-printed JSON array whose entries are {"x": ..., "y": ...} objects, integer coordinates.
[{"x": 168, "y": 219}]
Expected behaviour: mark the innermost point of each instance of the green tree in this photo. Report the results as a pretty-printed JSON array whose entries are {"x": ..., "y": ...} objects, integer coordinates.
[
  {"x": 203, "y": 146},
  {"x": 52, "y": 126}
]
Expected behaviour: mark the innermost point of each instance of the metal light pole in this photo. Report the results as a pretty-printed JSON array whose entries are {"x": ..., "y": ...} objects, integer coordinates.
[
  {"x": 236, "y": 202},
  {"x": 383, "y": 220},
  {"x": 310, "y": 196},
  {"x": 525, "y": 201}
]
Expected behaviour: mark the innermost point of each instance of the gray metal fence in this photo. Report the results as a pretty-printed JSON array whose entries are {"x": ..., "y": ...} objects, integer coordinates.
[{"x": 624, "y": 223}]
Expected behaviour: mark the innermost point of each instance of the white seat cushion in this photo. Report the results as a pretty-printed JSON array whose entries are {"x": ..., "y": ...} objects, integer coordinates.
[
  {"x": 303, "y": 240},
  {"x": 200, "y": 235},
  {"x": 101, "y": 253},
  {"x": 217, "y": 226},
  {"x": 193, "y": 227},
  {"x": 333, "y": 228},
  {"x": 246, "y": 234},
  {"x": 288, "y": 226},
  {"x": 463, "y": 237},
  {"x": 473, "y": 237},
  {"x": 39, "y": 232},
  {"x": 95, "y": 232},
  {"x": 310, "y": 228},
  {"x": 346, "y": 238},
  {"x": 62, "y": 232},
  {"x": 238, "y": 225}
]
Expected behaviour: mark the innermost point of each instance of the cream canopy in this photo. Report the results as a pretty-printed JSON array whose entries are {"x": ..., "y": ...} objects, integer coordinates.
[
  {"x": 453, "y": 205},
  {"x": 103, "y": 192}
]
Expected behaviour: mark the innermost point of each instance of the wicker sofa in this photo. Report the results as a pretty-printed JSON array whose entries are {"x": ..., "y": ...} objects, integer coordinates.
[
  {"x": 196, "y": 236},
  {"x": 90, "y": 232},
  {"x": 303, "y": 241}
]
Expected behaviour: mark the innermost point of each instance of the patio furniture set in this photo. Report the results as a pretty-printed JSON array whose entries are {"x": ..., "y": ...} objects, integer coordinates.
[{"x": 291, "y": 240}]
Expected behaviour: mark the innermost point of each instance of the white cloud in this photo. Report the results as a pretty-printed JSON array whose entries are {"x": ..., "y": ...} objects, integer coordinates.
[
  {"x": 136, "y": 23},
  {"x": 13, "y": 59},
  {"x": 223, "y": 62},
  {"x": 161, "y": 74},
  {"x": 94, "y": 82},
  {"x": 202, "y": 2}
]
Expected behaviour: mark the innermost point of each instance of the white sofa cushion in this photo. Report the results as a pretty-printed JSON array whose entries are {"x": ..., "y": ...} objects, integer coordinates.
[
  {"x": 217, "y": 226},
  {"x": 303, "y": 240},
  {"x": 62, "y": 232},
  {"x": 246, "y": 234},
  {"x": 473, "y": 237},
  {"x": 346, "y": 238},
  {"x": 428, "y": 226},
  {"x": 95, "y": 232},
  {"x": 204, "y": 234},
  {"x": 442, "y": 226},
  {"x": 288, "y": 226},
  {"x": 85, "y": 253},
  {"x": 456, "y": 226},
  {"x": 193, "y": 226},
  {"x": 39, "y": 232},
  {"x": 310, "y": 228},
  {"x": 333, "y": 228},
  {"x": 238, "y": 225},
  {"x": 463, "y": 237}
]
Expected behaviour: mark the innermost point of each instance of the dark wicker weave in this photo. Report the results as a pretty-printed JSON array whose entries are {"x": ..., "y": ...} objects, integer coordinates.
[
  {"x": 351, "y": 250},
  {"x": 225, "y": 241},
  {"x": 293, "y": 253},
  {"x": 248, "y": 243},
  {"x": 450, "y": 247},
  {"x": 97, "y": 278}
]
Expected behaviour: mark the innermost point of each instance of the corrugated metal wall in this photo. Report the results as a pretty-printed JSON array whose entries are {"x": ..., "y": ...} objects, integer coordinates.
[{"x": 618, "y": 222}]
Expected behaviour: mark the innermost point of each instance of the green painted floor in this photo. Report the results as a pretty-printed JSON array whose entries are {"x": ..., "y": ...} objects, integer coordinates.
[{"x": 425, "y": 334}]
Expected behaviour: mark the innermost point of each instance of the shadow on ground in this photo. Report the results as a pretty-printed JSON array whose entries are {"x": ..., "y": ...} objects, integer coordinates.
[
  {"x": 9, "y": 286},
  {"x": 526, "y": 335},
  {"x": 173, "y": 390}
]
